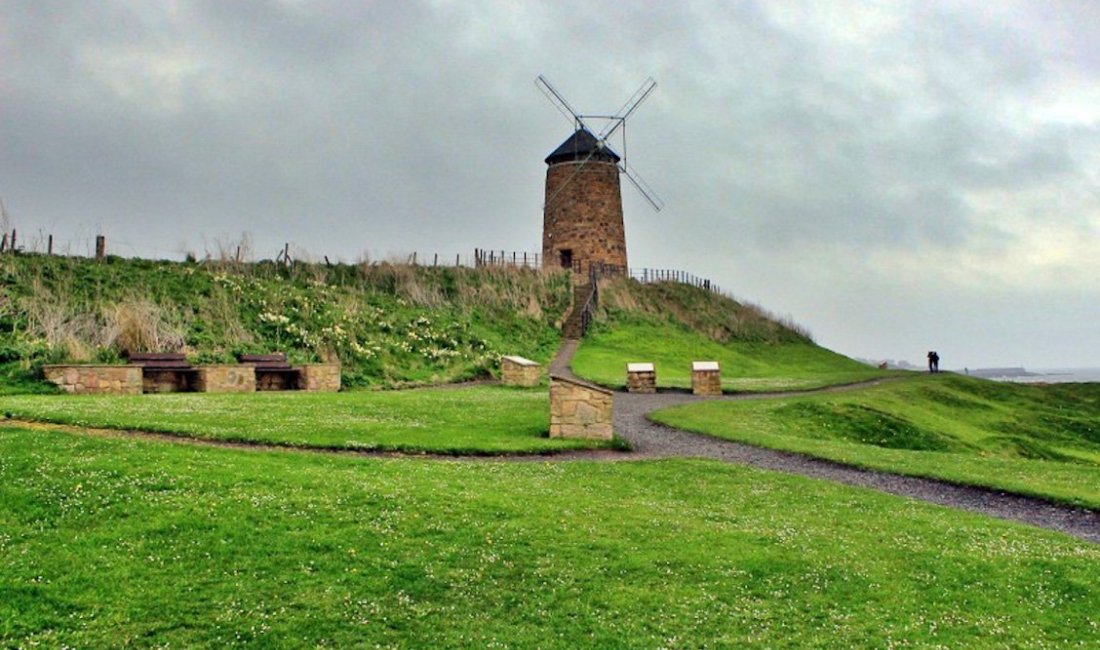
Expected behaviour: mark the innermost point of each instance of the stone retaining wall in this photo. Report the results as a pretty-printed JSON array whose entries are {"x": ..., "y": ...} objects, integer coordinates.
[
  {"x": 579, "y": 410},
  {"x": 225, "y": 378},
  {"x": 324, "y": 377},
  {"x": 517, "y": 371},
  {"x": 96, "y": 379}
]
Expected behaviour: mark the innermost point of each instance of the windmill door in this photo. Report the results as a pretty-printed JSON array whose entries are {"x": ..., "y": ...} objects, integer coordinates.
[{"x": 566, "y": 258}]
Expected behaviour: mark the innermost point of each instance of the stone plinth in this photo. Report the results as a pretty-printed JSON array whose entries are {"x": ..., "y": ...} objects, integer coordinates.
[
  {"x": 579, "y": 410},
  {"x": 96, "y": 379},
  {"x": 225, "y": 378},
  {"x": 517, "y": 371},
  {"x": 706, "y": 378},
  {"x": 321, "y": 377},
  {"x": 641, "y": 378}
]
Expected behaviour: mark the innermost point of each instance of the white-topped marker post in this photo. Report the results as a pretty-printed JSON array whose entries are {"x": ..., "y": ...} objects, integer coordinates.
[
  {"x": 641, "y": 378},
  {"x": 706, "y": 378}
]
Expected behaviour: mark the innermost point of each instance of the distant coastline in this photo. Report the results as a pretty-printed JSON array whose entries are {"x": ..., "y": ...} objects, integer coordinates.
[
  {"x": 1038, "y": 375},
  {"x": 1017, "y": 374}
]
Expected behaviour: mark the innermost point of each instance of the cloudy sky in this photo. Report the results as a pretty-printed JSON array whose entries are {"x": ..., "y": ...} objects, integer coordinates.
[{"x": 896, "y": 176}]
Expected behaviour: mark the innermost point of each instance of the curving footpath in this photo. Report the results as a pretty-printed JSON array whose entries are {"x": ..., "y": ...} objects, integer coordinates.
[{"x": 652, "y": 440}]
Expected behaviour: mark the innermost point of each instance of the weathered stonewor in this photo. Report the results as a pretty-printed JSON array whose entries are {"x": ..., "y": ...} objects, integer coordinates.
[
  {"x": 706, "y": 378},
  {"x": 641, "y": 378},
  {"x": 583, "y": 214},
  {"x": 579, "y": 410},
  {"x": 96, "y": 379},
  {"x": 225, "y": 378},
  {"x": 517, "y": 371},
  {"x": 320, "y": 377}
]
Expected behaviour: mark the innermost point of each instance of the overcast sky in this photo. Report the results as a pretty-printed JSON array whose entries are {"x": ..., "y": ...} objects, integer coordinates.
[{"x": 896, "y": 176}]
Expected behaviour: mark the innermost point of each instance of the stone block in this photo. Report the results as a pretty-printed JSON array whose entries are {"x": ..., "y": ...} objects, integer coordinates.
[
  {"x": 579, "y": 410},
  {"x": 320, "y": 377},
  {"x": 706, "y": 378},
  {"x": 641, "y": 378},
  {"x": 95, "y": 379},
  {"x": 225, "y": 378},
  {"x": 517, "y": 371}
]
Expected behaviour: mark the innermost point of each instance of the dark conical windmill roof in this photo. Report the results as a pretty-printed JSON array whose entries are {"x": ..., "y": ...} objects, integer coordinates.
[{"x": 579, "y": 146}]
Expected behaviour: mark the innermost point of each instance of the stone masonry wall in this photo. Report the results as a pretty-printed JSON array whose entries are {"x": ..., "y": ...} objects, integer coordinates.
[
  {"x": 324, "y": 377},
  {"x": 586, "y": 216},
  {"x": 517, "y": 371},
  {"x": 641, "y": 378},
  {"x": 579, "y": 410},
  {"x": 226, "y": 378},
  {"x": 96, "y": 379},
  {"x": 706, "y": 382}
]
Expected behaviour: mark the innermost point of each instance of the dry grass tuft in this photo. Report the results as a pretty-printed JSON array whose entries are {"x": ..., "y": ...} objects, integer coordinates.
[{"x": 140, "y": 325}]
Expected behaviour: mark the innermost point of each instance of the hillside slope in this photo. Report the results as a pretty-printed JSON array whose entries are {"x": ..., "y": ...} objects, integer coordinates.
[
  {"x": 672, "y": 324},
  {"x": 389, "y": 325}
]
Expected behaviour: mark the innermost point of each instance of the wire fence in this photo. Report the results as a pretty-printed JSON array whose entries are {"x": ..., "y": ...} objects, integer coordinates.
[{"x": 482, "y": 257}]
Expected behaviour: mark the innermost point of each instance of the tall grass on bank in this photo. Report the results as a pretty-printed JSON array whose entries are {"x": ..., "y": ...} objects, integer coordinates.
[{"x": 387, "y": 324}]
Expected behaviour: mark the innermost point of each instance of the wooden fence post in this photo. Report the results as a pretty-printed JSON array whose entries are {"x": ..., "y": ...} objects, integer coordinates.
[{"x": 49, "y": 245}]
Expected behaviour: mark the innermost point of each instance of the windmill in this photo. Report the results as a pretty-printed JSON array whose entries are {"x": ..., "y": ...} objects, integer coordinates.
[{"x": 583, "y": 212}]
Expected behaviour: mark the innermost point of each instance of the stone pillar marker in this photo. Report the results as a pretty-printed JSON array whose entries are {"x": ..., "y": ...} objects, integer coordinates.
[
  {"x": 517, "y": 371},
  {"x": 641, "y": 378},
  {"x": 706, "y": 378},
  {"x": 579, "y": 410}
]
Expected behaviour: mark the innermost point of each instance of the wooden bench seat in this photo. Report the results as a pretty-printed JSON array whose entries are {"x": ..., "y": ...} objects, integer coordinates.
[{"x": 159, "y": 360}]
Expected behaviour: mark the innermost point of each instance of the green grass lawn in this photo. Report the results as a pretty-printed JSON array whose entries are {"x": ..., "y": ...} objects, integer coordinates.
[
  {"x": 1037, "y": 440},
  {"x": 108, "y": 542},
  {"x": 477, "y": 419},
  {"x": 757, "y": 367}
]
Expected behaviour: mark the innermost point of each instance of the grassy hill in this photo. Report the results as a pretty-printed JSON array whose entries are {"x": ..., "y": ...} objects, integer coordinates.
[
  {"x": 389, "y": 325},
  {"x": 673, "y": 324}
]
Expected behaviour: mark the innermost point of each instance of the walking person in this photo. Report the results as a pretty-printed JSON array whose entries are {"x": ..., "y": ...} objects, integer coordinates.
[{"x": 933, "y": 362}]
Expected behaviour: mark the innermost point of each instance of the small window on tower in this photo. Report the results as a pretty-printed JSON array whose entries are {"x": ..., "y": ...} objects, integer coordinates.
[{"x": 567, "y": 258}]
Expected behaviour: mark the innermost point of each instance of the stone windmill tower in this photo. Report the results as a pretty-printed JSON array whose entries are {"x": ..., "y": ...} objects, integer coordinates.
[{"x": 582, "y": 221}]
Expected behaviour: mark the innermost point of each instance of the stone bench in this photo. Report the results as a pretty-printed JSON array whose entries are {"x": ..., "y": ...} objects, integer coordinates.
[
  {"x": 273, "y": 371},
  {"x": 163, "y": 372},
  {"x": 517, "y": 371},
  {"x": 706, "y": 378},
  {"x": 641, "y": 378},
  {"x": 579, "y": 410}
]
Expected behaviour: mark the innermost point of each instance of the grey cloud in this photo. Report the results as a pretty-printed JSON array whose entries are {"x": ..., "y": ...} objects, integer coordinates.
[{"x": 793, "y": 154}]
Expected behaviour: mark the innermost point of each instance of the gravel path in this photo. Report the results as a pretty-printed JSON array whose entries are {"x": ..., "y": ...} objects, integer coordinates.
[{"x": 652, "y": 440}]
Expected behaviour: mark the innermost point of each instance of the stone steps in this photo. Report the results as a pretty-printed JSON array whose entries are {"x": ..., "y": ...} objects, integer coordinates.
[{"x": 573, "y": 326}]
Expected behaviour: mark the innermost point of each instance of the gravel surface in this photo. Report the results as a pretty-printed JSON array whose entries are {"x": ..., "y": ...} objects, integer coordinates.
[{"x": 652, "y": 440}]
